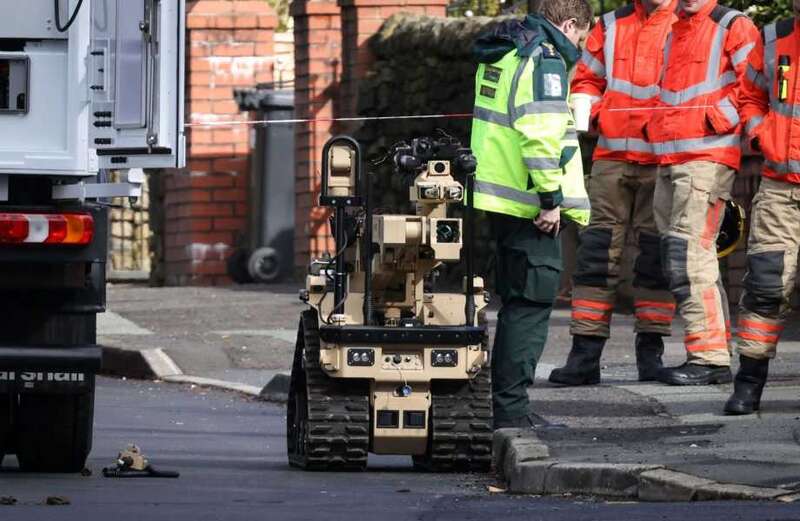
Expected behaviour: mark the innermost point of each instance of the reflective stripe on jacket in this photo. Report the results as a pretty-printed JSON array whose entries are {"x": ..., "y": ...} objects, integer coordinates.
[
  {"x": 705, "y": 61},
  {"x": 526, "y": 146},
  {"x": 620, "y": 68},
  {"x": 770, "y": 115}
]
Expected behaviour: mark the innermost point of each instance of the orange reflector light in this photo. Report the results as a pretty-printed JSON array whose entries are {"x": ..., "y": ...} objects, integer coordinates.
[{"x": 38, "y": 228}]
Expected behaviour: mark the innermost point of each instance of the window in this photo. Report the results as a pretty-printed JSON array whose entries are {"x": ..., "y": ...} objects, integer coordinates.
[{"x": 13, "y": 84}]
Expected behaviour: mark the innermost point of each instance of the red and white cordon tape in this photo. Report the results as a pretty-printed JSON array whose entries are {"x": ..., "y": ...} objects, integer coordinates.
[{"x": 265, "y": 122}]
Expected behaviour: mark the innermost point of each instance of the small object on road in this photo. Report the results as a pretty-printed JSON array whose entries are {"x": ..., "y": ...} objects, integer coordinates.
[
  {"x": 131, "y": 463},
  {"x": 8, "y": 500},
  {"x": 403, "y": 490},
  {"x": 494, "y": 489},
  {"x": 57, "y": 501},
  {"x": 86, "y": 472}
]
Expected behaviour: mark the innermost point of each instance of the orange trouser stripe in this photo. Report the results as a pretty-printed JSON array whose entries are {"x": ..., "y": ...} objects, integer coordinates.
[
  {"x": 713, "y": 322},
  {"x": 763, "y": 326},
  {"x": 654, "y": 304},
  {"x": 605, "y": 306},
  {"x": 712, "y": 223},
  {"x": 767, "y": 339},
  {"x": 588, "y": 315},
  {"x": 654, "y": 317},
  {"x": 706, "y": 347},
  {"x": 705, "y": 335}
]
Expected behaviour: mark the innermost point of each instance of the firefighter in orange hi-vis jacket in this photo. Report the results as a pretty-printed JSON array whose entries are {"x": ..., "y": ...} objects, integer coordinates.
[
  {"x": 619, "y": 73},
  {"x": 769, "y": 105},
  {"x": 695, "y": 131}
]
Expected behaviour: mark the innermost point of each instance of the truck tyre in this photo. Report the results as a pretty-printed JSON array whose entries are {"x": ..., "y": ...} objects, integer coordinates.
[
  {"x": 54, "y": 432},
  {"x": 6, "y": 432}
]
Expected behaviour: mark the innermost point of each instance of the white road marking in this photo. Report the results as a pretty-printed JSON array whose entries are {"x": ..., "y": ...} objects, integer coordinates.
[
  {"x": 110, "y": 323},
  {"x": 161, "y": 363},
  {"x": 287, "y": 335}
]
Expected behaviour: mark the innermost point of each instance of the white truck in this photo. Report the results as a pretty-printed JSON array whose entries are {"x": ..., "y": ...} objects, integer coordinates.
[{"x": 86, "y": 86}]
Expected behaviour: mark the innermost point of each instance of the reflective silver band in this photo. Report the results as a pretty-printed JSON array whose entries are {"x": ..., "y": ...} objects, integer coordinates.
[
  {"x": 730, "y": 112},
  {"x": 669, "y": 147},
  {"x": 542, "y": 163},
  {"x": 753, "y": 124},
  {"x": 541, "y": 107},
  {"x": 512, "y": 95},
  {"x": 634, "y": 91},
  {"x": 593, "y": 64},
  {"x": 570, "y": 135},
  {"x": 757, "y": 78},
  {"x": 789, "y": 167},
  {"x": 625, "y": 145},
  {"x": 770, "y": 49},
  {"x": 675, "y": 98},
  {"x": 785, "y": 109},
  {"x": 615, "y": 84},
  {"x": 742, "y": 54},
  {"x": 491, "y": 116},
  {"x": 697, "y": 144},
  {"x": 529, "y": 198}
]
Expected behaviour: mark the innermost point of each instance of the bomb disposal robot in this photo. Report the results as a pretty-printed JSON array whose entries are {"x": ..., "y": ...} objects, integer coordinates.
[
  {"x": 383, "y": 364},
  {"x": 86, "y": 86}
]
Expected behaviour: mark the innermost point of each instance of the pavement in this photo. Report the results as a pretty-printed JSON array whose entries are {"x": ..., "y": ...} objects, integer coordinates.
[
  {"x": 230, "y": 453},
  {"x": 242, "y": 338}
]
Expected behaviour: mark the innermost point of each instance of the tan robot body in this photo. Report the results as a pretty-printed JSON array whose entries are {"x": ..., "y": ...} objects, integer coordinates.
[{"x": 404, "y": 372}]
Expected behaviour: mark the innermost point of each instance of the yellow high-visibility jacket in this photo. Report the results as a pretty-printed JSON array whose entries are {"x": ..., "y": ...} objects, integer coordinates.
[{"x": 523, "y": 133}]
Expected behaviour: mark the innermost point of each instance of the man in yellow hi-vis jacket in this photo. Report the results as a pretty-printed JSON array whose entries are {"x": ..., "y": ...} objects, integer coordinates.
[{"x": 529, "y": 175}]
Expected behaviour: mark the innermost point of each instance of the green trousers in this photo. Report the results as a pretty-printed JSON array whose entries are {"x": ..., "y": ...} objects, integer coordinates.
[{"x": 528, "y": 268}]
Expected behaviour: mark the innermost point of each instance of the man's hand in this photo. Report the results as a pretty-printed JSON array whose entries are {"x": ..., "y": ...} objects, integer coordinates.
[{"x": 549, "y": 221}]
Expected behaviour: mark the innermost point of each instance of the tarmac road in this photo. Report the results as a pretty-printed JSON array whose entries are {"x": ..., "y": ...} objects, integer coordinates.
[{"x": 230, "y": 452}]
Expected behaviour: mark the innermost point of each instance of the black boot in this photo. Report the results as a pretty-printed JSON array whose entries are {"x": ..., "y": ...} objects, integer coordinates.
[
  {"x": 695, "y": 374},
  {"x": 583, "y": 362},
  {"x": 747, "y": 386},
  {"x": 649, "y": 348}
]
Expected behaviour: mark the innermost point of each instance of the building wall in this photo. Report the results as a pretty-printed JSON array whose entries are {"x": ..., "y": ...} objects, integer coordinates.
[{"x": 230, "y": 44}]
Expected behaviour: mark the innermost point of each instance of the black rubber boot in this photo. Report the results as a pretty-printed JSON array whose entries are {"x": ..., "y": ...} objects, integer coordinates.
[
  {"x": 695, "y": 374},
  {"x": 583, "y": 362},
  {"x": 747, "y": 386},
  {"x": 649, "y": 348}
]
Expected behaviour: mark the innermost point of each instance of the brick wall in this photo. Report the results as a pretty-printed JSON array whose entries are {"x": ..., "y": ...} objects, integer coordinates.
[
  {"x": 317, "y": 36},
  {"x": 230, "y": 44}
]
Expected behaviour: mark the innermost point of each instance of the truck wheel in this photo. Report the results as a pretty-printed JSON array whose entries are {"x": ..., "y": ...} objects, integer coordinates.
[
  {"x": 54, "y": 432},
  {"x": 327, "y": 420}
]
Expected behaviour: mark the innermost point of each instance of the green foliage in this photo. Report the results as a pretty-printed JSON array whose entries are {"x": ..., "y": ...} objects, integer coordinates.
[
  {"x": 763, "y": 12},
  {"x": 281, "y": 8}
]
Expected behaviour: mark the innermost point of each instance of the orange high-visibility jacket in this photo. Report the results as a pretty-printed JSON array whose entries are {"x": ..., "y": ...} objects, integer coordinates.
[
  {"x": 771, "y": 100},
  {"x": 705, "y": 61},
  {"x": 620, "y": 69}
]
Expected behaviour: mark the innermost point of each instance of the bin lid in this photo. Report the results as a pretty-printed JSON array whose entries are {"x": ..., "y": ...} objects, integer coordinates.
[{"x": 264, "y": 99}]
